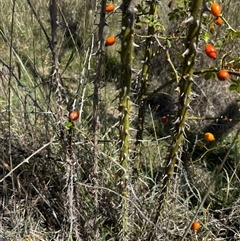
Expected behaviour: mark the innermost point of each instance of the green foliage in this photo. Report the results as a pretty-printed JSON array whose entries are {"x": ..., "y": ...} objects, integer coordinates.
[
  {"x": 235, "y": 85},
  {"x": 177, "y": 13},
  {"x": 68, "y": 125},
  {"x": 209, "y": 75}
]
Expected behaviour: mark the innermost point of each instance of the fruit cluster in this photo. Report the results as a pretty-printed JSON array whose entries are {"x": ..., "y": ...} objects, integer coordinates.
[
  {"x": 111, "y": 39},
  {"x": 210, "y": 50}
]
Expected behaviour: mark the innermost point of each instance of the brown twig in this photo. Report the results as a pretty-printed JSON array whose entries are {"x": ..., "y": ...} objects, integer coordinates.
[{"x": 26, "y": 160}]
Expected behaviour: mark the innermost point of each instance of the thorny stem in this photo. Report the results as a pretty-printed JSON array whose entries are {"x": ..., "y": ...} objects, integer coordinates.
[
  {"x": 56, "y": 80},
  {"x": 127, "y": 36},
  {"x": 142, "y": 98},
  {"x": 185, "y": 86}
]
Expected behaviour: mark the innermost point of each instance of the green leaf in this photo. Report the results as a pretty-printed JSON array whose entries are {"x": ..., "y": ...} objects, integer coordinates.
[
  {"x": 235, "y": 81},
  {"x": 180, "y": 3},
  {"x": 173, "y": 16},
  {"x": 68, "y": 125},
  {"x": 219, "y": 44},
  {"x": 206, "y": 37},
  {"x": 233, "y": 87},
  {"x": 140, "y": 8},
  {"x": 169, "y": 43},
  {"x": 138, "y": 25},
  {"x": 237, "y": 34},
  {"x": 145, "y": 20},
  {"x": 209, "y": 75}
]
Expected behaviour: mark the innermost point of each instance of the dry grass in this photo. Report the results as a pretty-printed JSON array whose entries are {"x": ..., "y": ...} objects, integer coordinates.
[{"x": 47, "y": 189}]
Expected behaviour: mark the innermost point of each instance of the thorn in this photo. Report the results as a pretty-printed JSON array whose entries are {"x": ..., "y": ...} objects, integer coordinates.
[
  {"x": 189, "y": 20},
  {"x": 136, "y": 45},
  {"x": 185, "y": 52}
]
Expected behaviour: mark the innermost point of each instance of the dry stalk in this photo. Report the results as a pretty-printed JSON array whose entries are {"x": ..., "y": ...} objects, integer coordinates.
[
  {"x": 26, "y": 160},
  {"x": 67, "y": 146},
  {"x": 144, "y": 85},
  {"x": 218, "y": 171},
  {"x": 9, "y": 102},
  {"x": 97, "y": 79},
  {"x": 40, "y": 24}
]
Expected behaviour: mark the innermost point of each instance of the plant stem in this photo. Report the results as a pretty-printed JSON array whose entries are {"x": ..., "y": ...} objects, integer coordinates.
[
  {"x": 127, "y": 36},
  {"x": 185, "y": 87},
  {"x": 142, "y": 98},
  {"x": 99, "y": 64}
]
